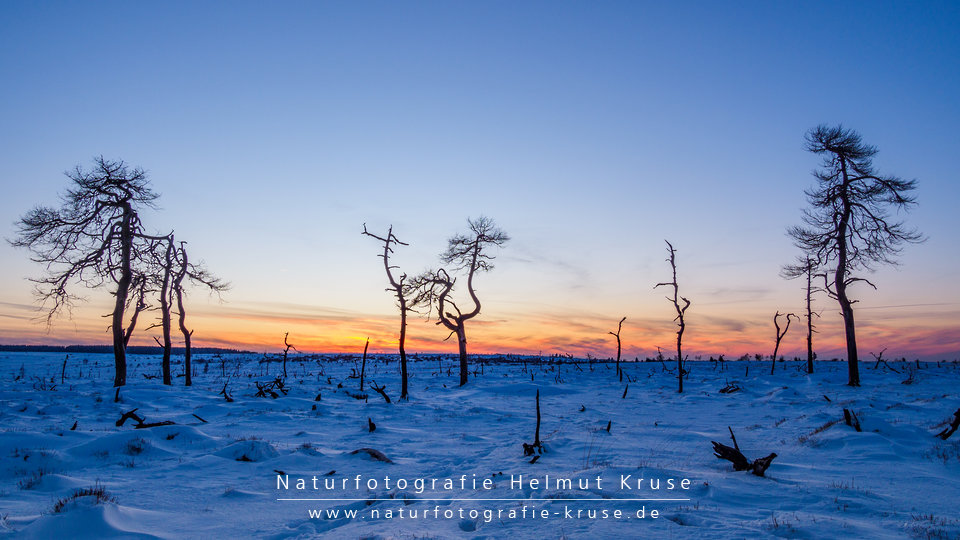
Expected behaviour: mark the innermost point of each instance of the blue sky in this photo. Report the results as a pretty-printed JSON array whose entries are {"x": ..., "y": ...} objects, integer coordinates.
[{"x": 589, "y": 131}]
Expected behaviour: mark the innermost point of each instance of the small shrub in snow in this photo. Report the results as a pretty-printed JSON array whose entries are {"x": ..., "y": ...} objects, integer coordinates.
[
  {"x": 929, "y": 527},
  {"x": 944, "y": 452},
  {"x": 99, "y": 495},
  {"x": 135, "y": 447},
  {"x": 31, "y": 481}
]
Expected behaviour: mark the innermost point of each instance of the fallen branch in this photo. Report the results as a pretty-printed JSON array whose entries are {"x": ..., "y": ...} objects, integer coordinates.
[
  {"x": 141, "y": 423},
  {"x": 949, "y": 430},
  {"x": 155, "y": 424},
  {"x": 130, "y": 415},
  {"x": 380, "y": 390},
  {"x": 730, "y": 388},
  {"x": 740, "y": 462}
]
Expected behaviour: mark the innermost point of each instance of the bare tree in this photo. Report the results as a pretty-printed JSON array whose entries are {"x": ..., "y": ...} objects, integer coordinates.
[
  {"x": 805, "y": 267},
  {"x": 849, "y": 227},
  {"x": 780, "y": 335},
  {"x": 467, "y": 253},
  {"x": 676, "y": 298},
  {"x": 170, "y": 267},
  {"x": 617, "y": 335},
  {"x": 286, "y": 350},
  {"x": 163, "y": 259},
  {"x": 92, "y": 240},
  {"x": 198, "y": 274},
  {"x": 398, "y": 288}
]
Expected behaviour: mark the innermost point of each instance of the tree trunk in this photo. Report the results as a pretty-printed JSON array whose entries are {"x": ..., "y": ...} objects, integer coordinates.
[
  {"x": 462, "y": 339},
  {"x": 619, "y": 371},
  {"x": 809, "y": 319},
  {"x": 403, "y": 352},
  {"x": 165, "y": 312},
  {"x": 182, "y": 318},
  {"x": 853, "y": 368},
  {"x": 123, "y": 289},
  {"x": 363, "y": 366},
  {"x": 680, "y": 360},
  {"x": 846, "y": 307},
  {"x": 140, "y": 306}
]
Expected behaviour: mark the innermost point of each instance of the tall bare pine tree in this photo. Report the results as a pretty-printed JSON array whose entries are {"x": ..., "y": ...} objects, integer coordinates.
[{"x": 849, "y": 227}]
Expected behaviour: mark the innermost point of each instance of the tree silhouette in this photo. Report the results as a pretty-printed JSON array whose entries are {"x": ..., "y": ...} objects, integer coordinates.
[
  {"x": 849, "y": 227},
  {"x": 617, "y": 335},
  {"x": 398, "y": 288},
  {"x": 92, "y": 239},
  {"x": 198, "y": 274},
  {"x": 162, "y": 257},
  {"x": 467, "y": 253},
  {"x": 780, "y": 334},
  {"x": 680, "y": 311},
  {"x": 169, "y": 268},
  {"x": 805, "y": 267}
]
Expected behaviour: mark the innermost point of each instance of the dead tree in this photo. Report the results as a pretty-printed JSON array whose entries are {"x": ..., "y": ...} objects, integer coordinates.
[
  {"x": 198, "y": 274},
  {"x": 399, "y": 289},
  {"x": 467, "y": 253},
  {"x": 617, "y": 335},
  {"x": 806, "y": 267},
  {"x": 880, "y": 360},
  {"x": 287, "y": 348},
  {"x": 170, "y": 268},
  {"x": 182, "y": 314},
  {"x": 849, "y": 227},
  {"x": 528, "y": 449},
  {"x": 740, "y": 462},
  {"x": 224, "y": 393},
  {"x": 776, "y": 348},
  {"x": 92, "y": 239},
  {"x": 163, "y": 251},
  {"x": 680, "y": 312}
]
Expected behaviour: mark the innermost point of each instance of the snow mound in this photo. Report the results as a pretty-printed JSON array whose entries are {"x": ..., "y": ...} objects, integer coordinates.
[
  {"x": 86, "y": 518},
  {"x": 249, "y": 451}
]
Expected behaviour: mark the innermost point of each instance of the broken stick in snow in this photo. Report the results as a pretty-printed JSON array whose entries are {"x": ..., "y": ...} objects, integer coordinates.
[
  {"x": 949, "y": 430},
  {"x": 740, "y": 462},
  {"x": 380, "y": 390},
  {"x": 132, "y": 415},
  {"x": 851, "y": 419},
  {"x": 537, "y": 446}
]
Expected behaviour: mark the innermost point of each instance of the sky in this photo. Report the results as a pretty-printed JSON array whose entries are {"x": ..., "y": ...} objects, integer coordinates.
[{"x": 589, "y": 131}]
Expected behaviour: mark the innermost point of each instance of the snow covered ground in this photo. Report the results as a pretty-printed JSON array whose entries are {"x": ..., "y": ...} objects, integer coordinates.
[{"x": 223, "y": 476}]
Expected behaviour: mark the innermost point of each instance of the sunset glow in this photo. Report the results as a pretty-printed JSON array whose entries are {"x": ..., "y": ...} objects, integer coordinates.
[{"x": 590, "y": 133}]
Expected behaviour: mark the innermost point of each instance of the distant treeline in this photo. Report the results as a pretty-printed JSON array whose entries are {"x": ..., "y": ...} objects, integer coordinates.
[{"x": 108, "y": 349}]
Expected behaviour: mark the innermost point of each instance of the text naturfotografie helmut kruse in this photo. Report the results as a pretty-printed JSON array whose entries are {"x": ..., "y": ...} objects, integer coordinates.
[{"x": 519, "y": 482}]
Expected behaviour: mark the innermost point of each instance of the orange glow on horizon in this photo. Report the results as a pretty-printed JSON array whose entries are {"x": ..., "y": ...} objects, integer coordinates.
[{"x": 579, "y": 335}]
